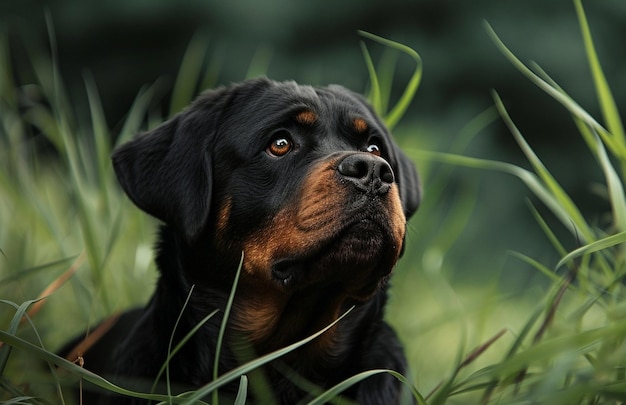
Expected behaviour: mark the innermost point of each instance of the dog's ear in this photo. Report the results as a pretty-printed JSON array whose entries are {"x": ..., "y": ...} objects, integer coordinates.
[
  {"x": 408, "y": 183},
  {"x": 167, "y": 171}
]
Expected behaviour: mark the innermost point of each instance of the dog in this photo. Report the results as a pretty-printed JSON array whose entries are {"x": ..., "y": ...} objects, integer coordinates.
[{"x": 304, "y": 191}]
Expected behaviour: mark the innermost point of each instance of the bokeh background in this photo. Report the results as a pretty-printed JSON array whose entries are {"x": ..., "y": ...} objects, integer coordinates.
[{"x": 447, "y": 277}]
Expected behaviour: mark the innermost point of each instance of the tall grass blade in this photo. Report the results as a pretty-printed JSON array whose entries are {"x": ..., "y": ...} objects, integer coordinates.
[
  {"x": 220, "y": 336},
  {"x": 614, "y": 184},
  {"x": 556, "y": 243},
  {"x": 179, "y": 346},
  {"x": 101, "y": 137},
  {"x": 54, "y": 286},
  {"x": 605, "y": 97},
  {"x": 554, "y": 303},
  {"x": 245, "y": 368},
  {"x": 20, "y": 311},
  {"x": 136, "y": 114},
  {"x": 449, "y": 388},
  {"x": 45, "y": 121},
  {"x": 585, "y": 127},
  {"x": 374, "y": 96},
  {"x": 397, "y": 112},
  {"x": 8, "y": 91},
  {"x": 260, "y": 63},
  {"x": 189, "y": 74},
  {"x": 113, "y": 237},
  {"x": 56, "y": 90},
  {"x": 548, "y": 349},
  {"x": 87, "y": 375},
  {"x": 457, "y": 220},
  {"x": 242, "y": 392},
  {"x": 531, "y": 180},
  {"x": 565, "y": 203},
  {"x": 596, "y": 246},
  {"x": 474, "y": 127},
  {"x": 213, "y": 68},
  {"x": 386, "y": 70},
  {"x": 555, "y": 93},
  {"x": 55, "y": 379},
  {"x": 344, "y": 385},
  {"x": 592, "y": 137},
  {"x": 59, "y": 127},
  {"x": 21, "y": 314},
  {"x": 515, "y": 347},
  {"x": 166, "y": 365},
  {"x": 442, "y": 390},
  {"x": 438, "y": 185},
  {"x": 537, "y": 265},
  {"x": 25, "y": 273},
  {"x": 22, "y": 400}
]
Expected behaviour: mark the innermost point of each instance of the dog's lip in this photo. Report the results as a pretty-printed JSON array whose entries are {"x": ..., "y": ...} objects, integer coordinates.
[{"x": 288, "y": 270}]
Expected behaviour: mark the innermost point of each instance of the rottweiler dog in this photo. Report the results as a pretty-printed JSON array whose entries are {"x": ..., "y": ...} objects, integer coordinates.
[{"x": 304, "y": 187}]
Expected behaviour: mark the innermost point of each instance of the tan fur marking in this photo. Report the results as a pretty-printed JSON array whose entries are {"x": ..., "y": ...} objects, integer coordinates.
[
  {"x": 260, "y": 310},
  {"x": 397, "y": 216},
  {"x": 223, "y": 217},
  {"x": 360, "y": 126},
  {"x": 299, "y": 227},
  {"x": 295, "y": 230},
  {"x": 306, "y": 117}
]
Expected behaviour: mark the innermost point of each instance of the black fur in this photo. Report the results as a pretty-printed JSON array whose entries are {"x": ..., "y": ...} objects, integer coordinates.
[{"x": 207, "y": 175}]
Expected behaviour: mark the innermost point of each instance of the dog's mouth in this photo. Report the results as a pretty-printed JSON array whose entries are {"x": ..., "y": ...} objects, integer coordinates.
[
  {"x": 333, "y": 236},
  {"x": 358, "y": 258}
]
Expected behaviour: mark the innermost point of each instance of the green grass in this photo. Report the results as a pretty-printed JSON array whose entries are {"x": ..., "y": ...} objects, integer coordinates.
[
  {"x": 73, "y": 249},
  {"x": 570, "y": 347}
]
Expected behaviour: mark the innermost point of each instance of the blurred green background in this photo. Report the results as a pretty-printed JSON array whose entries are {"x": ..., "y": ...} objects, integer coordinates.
[
  {"x": 127, "y": 44},
  {"x": 458, "y": 283}
]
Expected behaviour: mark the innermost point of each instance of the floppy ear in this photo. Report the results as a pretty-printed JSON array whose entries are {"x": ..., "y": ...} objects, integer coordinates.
[
  {"x": 409, "y": 183},
  {"x": 167, "y": 172}
]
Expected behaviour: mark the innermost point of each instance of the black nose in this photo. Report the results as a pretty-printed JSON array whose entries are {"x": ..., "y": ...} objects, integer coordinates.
[{"x": 369, "y": 173}]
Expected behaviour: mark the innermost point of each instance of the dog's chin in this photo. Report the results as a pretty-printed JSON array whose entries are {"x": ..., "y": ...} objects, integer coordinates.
[{"x": 358, "y": 259}]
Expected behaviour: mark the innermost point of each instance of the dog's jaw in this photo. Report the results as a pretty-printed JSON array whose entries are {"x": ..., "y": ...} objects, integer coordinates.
[{"x": 330, "y": 248}]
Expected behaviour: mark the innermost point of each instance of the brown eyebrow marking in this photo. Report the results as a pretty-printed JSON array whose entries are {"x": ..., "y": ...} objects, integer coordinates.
[
  {"x": 306, "y": 117},
  {"x": 359, "y": 125}
]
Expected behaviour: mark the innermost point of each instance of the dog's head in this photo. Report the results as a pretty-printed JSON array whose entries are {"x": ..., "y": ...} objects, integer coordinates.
[{"x": 306, "y": 181}]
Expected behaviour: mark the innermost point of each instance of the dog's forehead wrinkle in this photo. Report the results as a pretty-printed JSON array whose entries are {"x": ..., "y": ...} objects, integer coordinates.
[
  {"x": 286, "y": 94},
  {"x": 346, "y": 114},
  {"x": 296, "y": 91},
  {"x": 333, "y": 144},
  {"x": 308, "y": 93}
]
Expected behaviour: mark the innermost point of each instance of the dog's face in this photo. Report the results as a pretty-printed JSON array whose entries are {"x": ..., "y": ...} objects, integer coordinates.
[{"x": 306, "y": 182}]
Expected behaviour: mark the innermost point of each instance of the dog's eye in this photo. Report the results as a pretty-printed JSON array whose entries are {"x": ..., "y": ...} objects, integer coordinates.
[
  {"x": 280, "y": 145},
  {"x": 374, "y": 148}
]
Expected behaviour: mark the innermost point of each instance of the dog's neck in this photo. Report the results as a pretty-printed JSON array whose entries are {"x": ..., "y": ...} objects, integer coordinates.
[
  {"x": 274, "y": 319},
  {"x": 265, "y": 318}
]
